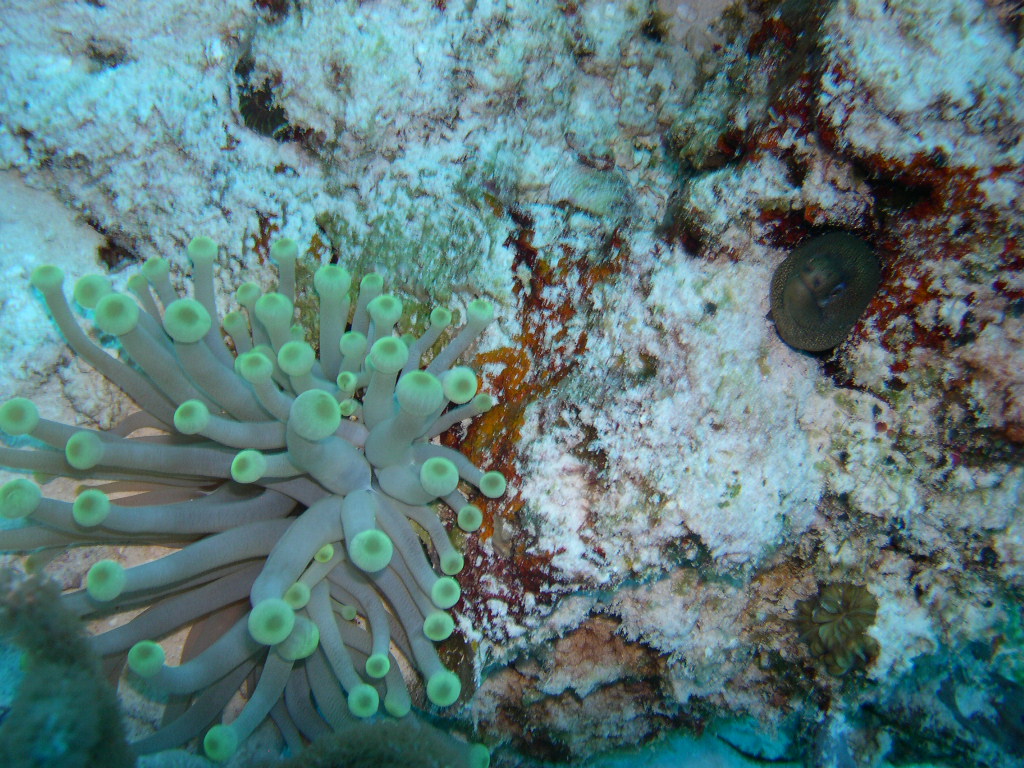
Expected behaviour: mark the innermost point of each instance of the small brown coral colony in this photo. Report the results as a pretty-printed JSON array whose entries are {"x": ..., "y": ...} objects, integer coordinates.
[
  {"x": 820, "y": 291},
  {"x": 834, "y": 625}
]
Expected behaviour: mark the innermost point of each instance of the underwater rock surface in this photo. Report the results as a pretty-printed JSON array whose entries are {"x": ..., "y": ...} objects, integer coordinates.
[{"x": 621, "y": 179}]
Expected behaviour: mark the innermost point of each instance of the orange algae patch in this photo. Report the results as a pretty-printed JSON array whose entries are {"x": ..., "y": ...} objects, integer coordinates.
[{"x": 529, "y": 369}]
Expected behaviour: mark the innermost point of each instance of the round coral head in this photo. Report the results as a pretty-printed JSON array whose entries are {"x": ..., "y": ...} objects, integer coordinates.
[{"x": 822, "y": 288}]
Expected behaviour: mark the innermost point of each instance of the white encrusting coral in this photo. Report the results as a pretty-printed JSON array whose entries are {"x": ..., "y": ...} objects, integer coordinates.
[{"x": 694, "y": 447}]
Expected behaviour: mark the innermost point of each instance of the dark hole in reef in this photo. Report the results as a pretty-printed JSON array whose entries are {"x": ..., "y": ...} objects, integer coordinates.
[
  {"x": 964, "y": 337},
  {"x": 105, "y": 54},
  {"x": 783, "y": 229},
  {"x": 244, "y": 68},
  {"x": 115, "y": 255},
  {"x": 259, "y": 112},
  {"x": 655, "y": 27},
  {"x": 895, "y": 197},
  {"x": 988, "y": 557},
  {"x": 896, "y": 384},
  {"x": 263, "y": 115},
  {"x": 677, "y": 226},
  {"x": 276, "y": 10},
  {"x": 797, "y": 170}
]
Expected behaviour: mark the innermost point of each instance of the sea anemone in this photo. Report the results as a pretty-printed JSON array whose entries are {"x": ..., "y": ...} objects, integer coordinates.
[{"x": 296, "y": 487}]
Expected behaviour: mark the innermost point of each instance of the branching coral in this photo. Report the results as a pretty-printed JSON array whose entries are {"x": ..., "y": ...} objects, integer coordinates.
[{"x": 294, "y": 503}]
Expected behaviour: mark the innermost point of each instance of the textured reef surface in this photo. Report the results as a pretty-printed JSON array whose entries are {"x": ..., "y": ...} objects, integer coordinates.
[{"x": 713, "y": 546}]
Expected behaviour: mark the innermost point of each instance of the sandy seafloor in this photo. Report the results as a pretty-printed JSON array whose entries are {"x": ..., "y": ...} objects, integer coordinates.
[{"x": 620, "y": 179}]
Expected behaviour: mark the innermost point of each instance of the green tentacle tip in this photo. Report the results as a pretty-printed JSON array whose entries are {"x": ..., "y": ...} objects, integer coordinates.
[
  {"x": 234, "y": 323},
  {"x": 389, "y": 354},
  {"x": 460, "y": 384},
  {"x": 452, "y": 563},
  {"x": 385, "y": 310},
  {"x": 371, "y": 282},
  {"x": 248, "y": 466},
  {"x": 439, "y": 476},
  {"x": 220, "y": 743},
  {"x": 84, "y": 450},
  {"x": 483, "y": 402},
  {"x": 419, "y": 393},
  {"x": 446, "y": 592},
  {"x": 18, "y": 416},
  {"x": 492, "y": 484},
  {"x": 347, "y": 382},
  {"x": 138, "y": 284},
  {"x": 332, "y": 280},
  {"x": 146, "y": 658},
  {"x": 47, "y": 277},
  {"x": 352, "y": 344},
  {"x": 301, "y": 642},
  {"x": 314, "y": 415},
  {"x": 186, "y": 320},
  {"x": 397, "y": 705},
  {"x": 202, "y": 249},
  {"x": 377, "y": 665},
  {"x": 191, "y": 417},
  {"x": 297, "y": 595},
  {"x": 89, "y": 289},
  {"x": 363, "y": 700},
  {"x": 155, "y": 268},
  {"x": 254, "y": 367},
  {"x": 438, "y": 626},
  {"x": 284, "y": 249},
  {"x": 371, "y": 550},
  {"x": 440, "y": 316},
  {"x": 247, "y": 293},
  {"x": 296, "y": 358},
  {"x": 274, "y": 309},
  {"x": 19, "y": 498},
  {"x": 325, "y": 553},
  {"x": 91, "y": 507},
  {"x": 105, "y": 580},
  {"x": 470, "y": 518},
  {"x": 116, "y": 314},
  {"x": 271, "y": 621},
  {"x": 443, "y": 688},
  {"x": 479, "y": 756},
  {"x": 480, "y": 311}
]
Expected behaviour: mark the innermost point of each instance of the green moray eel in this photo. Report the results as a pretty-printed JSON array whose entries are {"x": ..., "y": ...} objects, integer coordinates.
[{"x": 822, "y": 288}]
